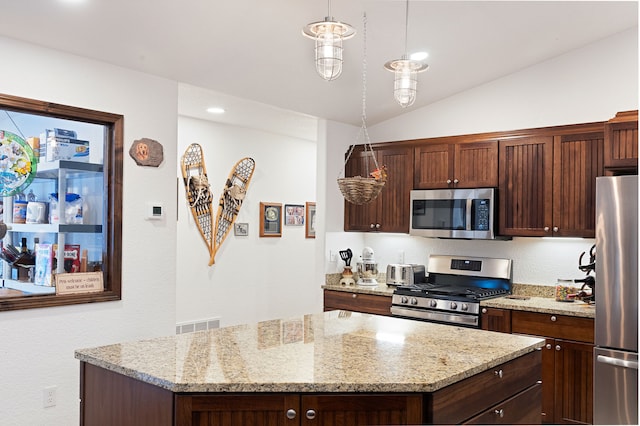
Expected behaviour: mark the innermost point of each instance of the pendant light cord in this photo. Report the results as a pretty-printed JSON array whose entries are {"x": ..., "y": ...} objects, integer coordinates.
[{"x": 406, "y": 30}]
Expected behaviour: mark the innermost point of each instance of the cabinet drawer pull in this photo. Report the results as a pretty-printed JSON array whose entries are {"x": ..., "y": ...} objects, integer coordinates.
[
  {"x": 499, "y": 413},
  {"x": 311, "y": 414},
  {"x": 291, "y": 414},
  {"x": 498, "y": 373},
  {"x": 354, "y": 295},
  {"x": 554, "y": 318}
]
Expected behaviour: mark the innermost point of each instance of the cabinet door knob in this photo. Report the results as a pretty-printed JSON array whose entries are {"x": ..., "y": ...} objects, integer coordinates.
[
  {"x": 484, "y": 310},
  {"x": 311, "y": 414},
  {"x": 555, "y": 229},
  {"x": 449, "y": 181},
  {"x": 546, "y": 229},
  {"x": 499, "y": 413},
  {"x": 456, "y": 181},
  {"x": 354, "y": 295},
  {"x": 558, "y": 348},
  {"x": 377, "y": 226},
  {"x": 291, "y": 414},
  {"x": 498, "y": 373},
  {"x": 371, "y": 225},
  {"x": 554, "y": 318},
  {"x": 548, "y": 346}
]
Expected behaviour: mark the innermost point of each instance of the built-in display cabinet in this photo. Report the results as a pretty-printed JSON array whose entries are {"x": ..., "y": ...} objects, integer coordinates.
[{"x": 65, "y": 216}]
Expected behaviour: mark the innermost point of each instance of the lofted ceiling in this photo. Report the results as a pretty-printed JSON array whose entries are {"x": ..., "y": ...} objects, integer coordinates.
[{"x": 253, "y": 50}]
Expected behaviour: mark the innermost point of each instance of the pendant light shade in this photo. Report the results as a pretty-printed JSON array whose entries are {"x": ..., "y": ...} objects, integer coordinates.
[
  {"x": 405, "y": 72},
  {"x": 328, "y": 35},
  {"x": 405, "y": 79}
]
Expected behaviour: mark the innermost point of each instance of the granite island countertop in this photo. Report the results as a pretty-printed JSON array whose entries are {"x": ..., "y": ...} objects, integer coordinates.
[{"x": 336, "y": 351}]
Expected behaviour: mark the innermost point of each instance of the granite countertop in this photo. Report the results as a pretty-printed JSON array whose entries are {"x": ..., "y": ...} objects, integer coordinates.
[
  {"x": 539, "y": 298},
  {"x": 335, "y": 351},
  {"x": 546, "y": 305}
]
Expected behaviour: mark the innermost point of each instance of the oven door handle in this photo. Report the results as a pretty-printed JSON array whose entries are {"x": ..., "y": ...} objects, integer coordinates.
[
  {"x": 468, "y": 214},
  {"x": 471, "y": 320}
]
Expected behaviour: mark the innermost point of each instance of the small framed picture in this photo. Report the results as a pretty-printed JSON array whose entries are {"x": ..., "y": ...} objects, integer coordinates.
[
  {"x": 294, "y": 214},
  {"x": 310, "y": 222},
  {"x": 270, "y": 219},
  {"x": 241, "y": 229}
]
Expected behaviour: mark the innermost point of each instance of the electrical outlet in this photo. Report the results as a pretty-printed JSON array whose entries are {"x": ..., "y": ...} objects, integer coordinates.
[{"x": 49, "y": 396}]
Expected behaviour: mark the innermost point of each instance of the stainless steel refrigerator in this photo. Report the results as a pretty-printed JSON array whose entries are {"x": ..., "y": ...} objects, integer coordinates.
[{"x": 615, "y": 386}]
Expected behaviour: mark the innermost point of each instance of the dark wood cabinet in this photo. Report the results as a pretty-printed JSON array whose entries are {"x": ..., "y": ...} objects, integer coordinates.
[
  {"x": 357, "y": 302},
  {"x": 621, "y": 143},
  {"x": 547, "y": 183},
  {"x": 567, "y": 364},
  {"x": 476, "y": 395},
  {"x": 389, "y": 212},
  {"x": 298, "y": 409},
  {"x": 522, "y": 408},
  {"x": 456, "y": 165},
  {"x": 110, "y": 398},
  {"x": 495, "y": 319}
]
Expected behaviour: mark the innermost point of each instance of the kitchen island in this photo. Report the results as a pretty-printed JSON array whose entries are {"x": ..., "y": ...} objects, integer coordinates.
[{"x": 323, "y": 368}]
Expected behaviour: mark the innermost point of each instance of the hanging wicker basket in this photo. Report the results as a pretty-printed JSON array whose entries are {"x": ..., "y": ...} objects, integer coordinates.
[{"x": 360, "y": 190}]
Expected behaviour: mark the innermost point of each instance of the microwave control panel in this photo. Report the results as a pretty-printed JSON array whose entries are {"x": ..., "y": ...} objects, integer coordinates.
[{"x": 481, "y": 215}]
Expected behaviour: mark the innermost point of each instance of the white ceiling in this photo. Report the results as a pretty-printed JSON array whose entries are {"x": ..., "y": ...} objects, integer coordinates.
[{"x": 254, "y": 50}]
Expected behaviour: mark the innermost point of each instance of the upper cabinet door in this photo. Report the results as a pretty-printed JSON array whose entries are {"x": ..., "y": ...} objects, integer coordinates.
[
  {"x": 456, "y": 165},
  {"x": 525, "y": 191},
  {"x": 577, "y": 160},
  {"x": 361, "y": 217},
  {"x": 394, "y": 209},
  {"x": 433, "y": 166},
  {"x": 621, "y": 143},
  {"x": 476, "y": 165}
]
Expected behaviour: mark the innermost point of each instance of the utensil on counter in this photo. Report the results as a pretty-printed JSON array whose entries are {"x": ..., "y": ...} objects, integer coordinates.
[{"x": 346, "y": 255}]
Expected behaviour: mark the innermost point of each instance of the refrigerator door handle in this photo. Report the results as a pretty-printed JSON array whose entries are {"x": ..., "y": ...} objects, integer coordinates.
[{"x": 617, "y": 362}]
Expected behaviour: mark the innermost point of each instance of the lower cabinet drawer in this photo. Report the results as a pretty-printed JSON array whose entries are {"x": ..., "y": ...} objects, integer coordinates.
[
  {"x": 551, "y": 325},
  {"x": 463, "y": 400},
  {"x": 358, "y": 302},
  {"x": 523, "y": 408}
]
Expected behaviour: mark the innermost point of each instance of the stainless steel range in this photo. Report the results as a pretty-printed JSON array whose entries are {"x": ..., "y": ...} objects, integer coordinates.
[{"x": 453, "y": 291}]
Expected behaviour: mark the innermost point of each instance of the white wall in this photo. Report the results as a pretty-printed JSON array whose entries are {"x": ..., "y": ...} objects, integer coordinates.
[
  {"x": 253, "y": 278},
  {"x": 37, "y": 345},
  {"x": 586, "y": 85}
]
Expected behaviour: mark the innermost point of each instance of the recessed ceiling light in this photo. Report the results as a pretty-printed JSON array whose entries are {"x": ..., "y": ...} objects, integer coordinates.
[
  {"x": 419, "y": 56},
  {"x": 215, "y": 110}
]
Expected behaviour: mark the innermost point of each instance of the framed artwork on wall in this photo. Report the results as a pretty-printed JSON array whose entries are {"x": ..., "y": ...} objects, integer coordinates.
[
  {"x": 270, "y": 219},
  {"x": 310, "y": 222},
  {"x": 294, "y": 214},
  {"x": 241, "y": 229}
]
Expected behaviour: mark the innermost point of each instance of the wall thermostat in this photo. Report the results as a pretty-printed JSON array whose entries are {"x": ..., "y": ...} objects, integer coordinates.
[{"x": 155, "y": 211}]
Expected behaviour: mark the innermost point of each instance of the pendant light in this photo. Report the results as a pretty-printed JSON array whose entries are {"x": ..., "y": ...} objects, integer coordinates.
[
  {"x": 405, "y": 72},
  {"x": 328, "y": 35}
]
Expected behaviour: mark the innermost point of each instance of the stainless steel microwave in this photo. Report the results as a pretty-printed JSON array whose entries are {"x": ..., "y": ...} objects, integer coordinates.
[{"x": 454, "y": 213}]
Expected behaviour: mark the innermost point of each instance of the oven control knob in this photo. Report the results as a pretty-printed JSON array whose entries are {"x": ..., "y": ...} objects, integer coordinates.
[
  {"x": 454, "y": 306},
  {"x": 414, "y": 301},
  {"x": 404, "y": 299},
  {"x": 464, "y": 307},
  {"x": 433, "y": 303}
]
